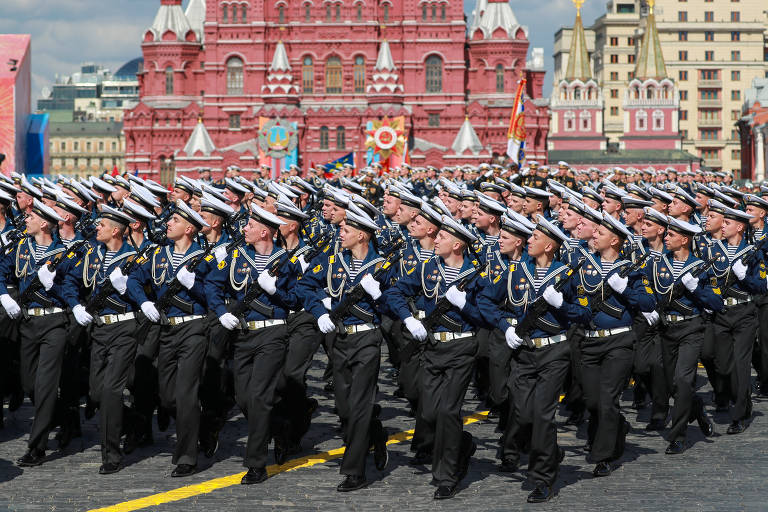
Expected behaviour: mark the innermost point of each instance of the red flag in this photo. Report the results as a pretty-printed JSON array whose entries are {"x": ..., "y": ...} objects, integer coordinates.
[{"x": 115, "y": 172}]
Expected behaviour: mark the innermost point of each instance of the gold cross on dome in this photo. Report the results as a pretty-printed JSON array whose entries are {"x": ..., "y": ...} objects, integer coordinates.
[
  {"x": 578, "y": 4},
  {"x": 650, "y": 5}
]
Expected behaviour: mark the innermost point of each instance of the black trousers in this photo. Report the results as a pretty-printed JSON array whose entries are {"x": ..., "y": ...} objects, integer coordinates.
[
  {"x": 680, "y": 350},
  {"x": 179, "y": 367},
  {"x": 735, "y": 330},
  {"x": 536, "y": 390},
  {"x": 499, "y": 369},
  {"x": 760, "y": 355},
  {"x": 143, "y": 382},
  {"x": 714, "y": 364},
  {"x": 482, "y": 363},
  {"x": 606, "y": 365},
  {"x": 43, "y": 341},
  {"x": 113, "y": 352},
  {"x": 355, "y": 374},
  {"x": 10, "y": 377},
  {"x": 649, "y": 368},
  {"x": 574, "y": 391},
  {"x": 258, "y": 359},
  {"x": 214, "y": 399},
  {"x": 304, "y": 339},
  {"x": 445, "y": 376}
]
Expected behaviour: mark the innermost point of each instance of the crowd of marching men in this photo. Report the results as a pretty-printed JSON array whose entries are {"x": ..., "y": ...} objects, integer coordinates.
[{"x": 214, "y": 297}]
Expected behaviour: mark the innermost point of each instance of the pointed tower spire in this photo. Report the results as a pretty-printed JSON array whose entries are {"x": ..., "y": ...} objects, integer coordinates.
[
  {"x": 385, "y": 83},
  {"x": 195, "y": 14},
  {"x": 280, "y": 59},
  {"x": 170, "y": 17},
  {"x": 650, "y": 62},
  {"x": 279, "y": 87},
  {"x": 199, "y": 140},
  {"x": 466, "y": 139},
  {"x": 578, "y": 59}
]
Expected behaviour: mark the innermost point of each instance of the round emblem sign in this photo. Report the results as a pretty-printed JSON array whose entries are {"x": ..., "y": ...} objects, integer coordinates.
[{"x": 385, "y": 137}]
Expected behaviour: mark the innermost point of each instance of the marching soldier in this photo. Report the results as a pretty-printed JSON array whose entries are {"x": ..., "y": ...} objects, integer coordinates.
[{"x": 182, "y": 340}]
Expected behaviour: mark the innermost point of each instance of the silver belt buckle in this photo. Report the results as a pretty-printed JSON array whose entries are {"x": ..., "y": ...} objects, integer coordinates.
[
  {"x": 107, "y": 319},
  {"x": 349, "y": 329}
]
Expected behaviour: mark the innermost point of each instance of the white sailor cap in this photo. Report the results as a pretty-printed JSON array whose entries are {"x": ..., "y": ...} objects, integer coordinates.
[
  {"x": 452, "y": 189},
  {"x": 137, "y": 210},
  {"x": 638, "y": 191},
  {"x": 727, "y": 200},
  {"x": 561, "y": 163},
  {"x": 235, "y": 187},
  {"x": 685, "y": 197},
  {"x": 587, "y": 212},
  {"x": 656, "y": 216},
  {"x": 537, "y": 193},
  {"x": 288, "y": 210},
  {"x": 751, "y": 199},
  {"x": 29, "y": 188},
  {"x": 490, "y": 205},
  {"x": 365, "y": 205},
  {"x": 65, "y": 202},
  {"x": 303, "y": 185},
  {"x": 633, "y": 202},
  {"x": 510, "y": 225},
  {"x": 187, "y": 213},
  {"x": 122, "y": 182},
  {"x": 737, "y": 215},
  {"x": 213, "y": 191},
  {"x": 520, "y": 218},
  {"x": 449, "y": 225},
  {"x": 440, "y": 205},
  {"x": 9, "y": 187},
  {"x": 569, "y": 195},
  {"x": 430, "y": 214},
  {"x": 264, "y": 217},
  {"x": 409, "y": 199},
  {"x": 276, "y": 190},
  {"x": 113, "y": 214},
  {"x": 214, "y": 205},
  {"x": 188, "y": 185},
  {"x": 351, "y": 185},
  {"x": 549, "y": 229},
  {"x": 156, "y": 188},
  {"x": 613, "y": 192},
  {"x": 516, "y": 190},
  {"x": 660, "y": 195},
  {"x": 102, "y": 185},
  {"x": 78, "y": 189},
  {"x": 555, "y": 187},
  {"x": 5, "y": 197},
  {"x": 45, "y": 212},
  {"x": 589, "y": 192},
  {"x": 616, "y": 226},
  {"x": 144, "y": 197},
  {"x": 682, "y": 227},
  {"x": 359, "y": 220}
]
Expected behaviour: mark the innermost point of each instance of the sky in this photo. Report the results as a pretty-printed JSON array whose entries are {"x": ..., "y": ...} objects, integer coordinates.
[{"x": 66, "y": 33}]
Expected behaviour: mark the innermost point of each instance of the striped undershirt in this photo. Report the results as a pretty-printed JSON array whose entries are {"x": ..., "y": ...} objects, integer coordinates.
[
  {"x": 176, "y": 258},
  {"x": 491, "y": 239},
  {"x": 39, "y": 251},
  {"x": 108, "y": 257},
  {"x": 677, "y": 268},
  {"x": 451, "y": 273},
  {"x": 354, "y": 268},
  {"x": 538, "y": 277},
  {"x": 759, "y": 234},
  {"x": 731, "y": 249},
  {"x": 261, "y": 261},
  {"x": 67, "y": 241},
  {"x": 605, "y": 267},
  {"x": 424, "y": 254}
]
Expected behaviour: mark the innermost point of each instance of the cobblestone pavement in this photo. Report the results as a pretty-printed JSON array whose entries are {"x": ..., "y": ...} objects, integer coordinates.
[{"x": 720, "y": 473}]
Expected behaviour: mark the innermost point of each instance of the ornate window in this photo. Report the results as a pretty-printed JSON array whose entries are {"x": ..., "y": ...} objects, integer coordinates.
[
  {"x": 307, "y": 75},
  {"x": 570, "y": 121},
  {"x": 424, "y": 12},
  {"x": 359, "y": 74},
  {"x": 338, "y": 12},
  {"x": 341, "y": 137},
  {"x": 359, "y": 8},
  {"x": 234, "y": 14},
  {"x": 328, "y": 12},
  {"x": 499, "y": 78},
  {"x": 641, "y": 120},
  {"x": 434, "y": 12},
  {"x": 281, "y": 14},
  {"x": 434, "y": 74},
  {"x": 658, "y": 120},
  {"x": 169, "y": 80},
  {"x": 234, "y": 76},
  {"x": 333, "y": 75},
  {"x": 244, "y": 13},
  {"x": 442, "y": 12},
  {"x": 225, "y": 13},
  {"x": 323, "y": 137},
  {"x": 307, "y": 13},
  {"x": 585, "y": 121},
  {"x": 386, "y": 13}
]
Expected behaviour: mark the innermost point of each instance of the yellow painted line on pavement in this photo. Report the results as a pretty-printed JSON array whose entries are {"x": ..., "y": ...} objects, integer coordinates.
[{"x": 227, "y": 481}]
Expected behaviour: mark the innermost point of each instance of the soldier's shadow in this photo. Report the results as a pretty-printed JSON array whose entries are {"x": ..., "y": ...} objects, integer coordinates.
[{"x": 9, "y": 471}]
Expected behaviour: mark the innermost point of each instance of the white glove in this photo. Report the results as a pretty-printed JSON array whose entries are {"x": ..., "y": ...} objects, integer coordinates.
[
  {"x": 619, "y": 284},
  {"x": 651, "y": 317},
  {"x": 740, "y": 269},
  {"x": 46, "y": 277},
  {"x": 326, "y": 303},
  {"x": 229, "y": 321},
  {"x": 119, "y": 280},
  {"x": 456, "y": 297},
  {"x": 553, "y": 297},
  {"x": 10, "y": 306},
  {"x": 416, "y": 328},
  {"x": 150, "y": 311},
  {"x": 513, "y": 340},
  {"x": 220, "y": 253},
  {"x": 267, "y": 282},
  {"x": 304, "y": 263},
  {"x": 185, "y": 277},
  {"x": 689, "y": 281},
  {"x": 371, "y": 286},
  {"x": 325, "y": 324},
  {"x": 81, "y": 315}
]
